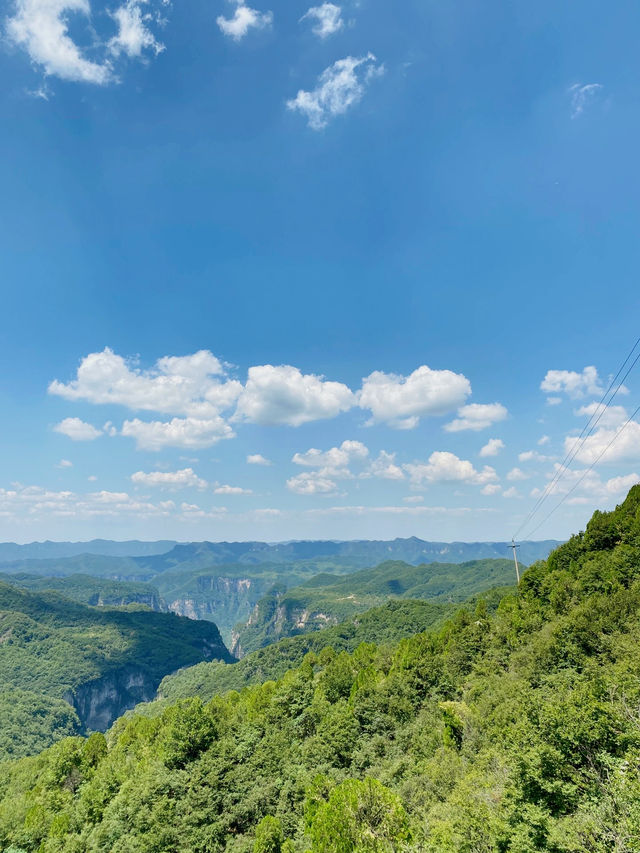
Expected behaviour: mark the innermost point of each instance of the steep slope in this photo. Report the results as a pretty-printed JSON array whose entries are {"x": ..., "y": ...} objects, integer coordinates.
[
  {"x": 387, "y": 624},
  {"x": 512, "y": 733},
  {"x": 326, "y": 600},
  {"x": 86, "y": 589},
  {"x": 100, "y": 660}
]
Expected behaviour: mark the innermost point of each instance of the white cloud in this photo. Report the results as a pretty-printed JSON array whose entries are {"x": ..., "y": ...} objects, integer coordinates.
[
  {"x": 516, "y": 474},
  {"x": 554, "y": 401},
  {"x": 183, "y": 479},
  {"x": 492, "y": 447},
  {"x": 401, "y": 401},
  {"x": 543, "y": 440},
  {"x": 38, "y": 503},
  {"x": 336, "y": 457},
  {"x": 64, "y": 463},
  {"x": 328, "y": 18},
  {"x": 569, "y": 382},
  {"x": 77, "y": 429},
  {"x": 612, "y": 417},
  {"x": 257, "y": 459},
  {"x": 491, "y": 489},
  {"x": 340, "y": 86},
  {"x": 92, "y": 478},
  {"x": 533, "y": 456},
  {"x": 384, "y": 466},
  {"x": 133, "y": 36},
  {"x": 625, "y": 447},
  {"x": 183, "y": 385},
  {"x": 41, "y": 28},
  {"x": 191, "y": 433},
  {"x": 231, "y": 490},
  {"x": 477, "y": 416},
  {"x": 586, "y": 485},
  {"x": 283, "y": 395},
  {"x": 511, "y": 493},
  {"x": 312, "y": 483},
  {"x": 243, "y": 20},
  {"x": 445, "y": 467},
  {"x": 581, "y": 94},
  {"x": 413, "y": 499}
]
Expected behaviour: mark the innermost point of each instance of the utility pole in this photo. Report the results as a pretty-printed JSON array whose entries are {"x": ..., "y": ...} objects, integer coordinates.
[{"x": 515, "y": 560}]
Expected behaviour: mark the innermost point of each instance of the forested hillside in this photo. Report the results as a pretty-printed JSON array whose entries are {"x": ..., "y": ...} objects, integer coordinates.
[
  {"x": 86, "y": 589},
  {"x": 517, "y": 731},
  {"x": 326, "y": 600},
  {"x": 100, "y": 660}
]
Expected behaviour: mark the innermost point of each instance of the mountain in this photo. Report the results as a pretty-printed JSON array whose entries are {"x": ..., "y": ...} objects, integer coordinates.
[
  {"x": 223, "y": 581},
  {"x": 326, "y": 600},
  {"x": 101, "y": 661},
  {"x": 86, "y": 589},
  {"x": 514, "y": 731},
  {"x": 10, "y": 551},
  {"x": 389, "y": 623}
]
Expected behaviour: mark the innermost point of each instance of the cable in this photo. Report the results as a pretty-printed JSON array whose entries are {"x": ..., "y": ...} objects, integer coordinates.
[
  {"x": 590, "y": 426},
  {"x": 590, "y": 468}
]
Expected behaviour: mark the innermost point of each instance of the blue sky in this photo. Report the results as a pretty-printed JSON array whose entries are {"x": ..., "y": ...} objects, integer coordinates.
[{"x": 237, "y": 230}]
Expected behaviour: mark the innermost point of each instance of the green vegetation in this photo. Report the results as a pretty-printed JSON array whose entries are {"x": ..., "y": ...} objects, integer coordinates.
[
  {"x": 382, "y": 625},
  {"x": 101, "y": 660},
  {"x": 514, "y": 732},
  {"x": 326, "y": 600},
  {"x": 87, "y": 589}
]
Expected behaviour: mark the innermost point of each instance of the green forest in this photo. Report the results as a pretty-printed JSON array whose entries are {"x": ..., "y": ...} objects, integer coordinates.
[{"x": 510, "y": 728}]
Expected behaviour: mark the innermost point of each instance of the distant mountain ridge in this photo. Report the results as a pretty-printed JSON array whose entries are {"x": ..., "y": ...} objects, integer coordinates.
[{"x": 167, "y": 554}]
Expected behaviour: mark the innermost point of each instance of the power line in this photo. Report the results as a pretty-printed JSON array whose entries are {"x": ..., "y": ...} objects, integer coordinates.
[
  {"x": 581, "y": 439},
  {"x": 589, "y": 469}
]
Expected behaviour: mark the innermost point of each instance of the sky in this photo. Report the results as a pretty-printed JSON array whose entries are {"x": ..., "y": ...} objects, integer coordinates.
[{"x": 275, "y": 271}]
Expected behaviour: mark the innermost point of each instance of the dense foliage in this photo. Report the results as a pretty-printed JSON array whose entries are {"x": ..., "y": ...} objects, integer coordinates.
[
  {"x": 53, "y": 647},
  {"x": 86, "y": 589},
  {"x": 517, "y": 731},
  {"x": 326, "y": 600},
  {"x": 383, "y": 625}
]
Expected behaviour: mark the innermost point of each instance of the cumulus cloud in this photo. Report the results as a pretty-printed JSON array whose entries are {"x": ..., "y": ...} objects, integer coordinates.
[
  {"x": 569, "y": 382},
  {"x": 581, "y": 95},
  {"x": 327, "y": 17},
  {"x": 492, "y": 447},
  {"x": 384, "y": 466},
  {"x": 336, "y": 457},
  {"x": 243, "y": 20},
  {"x": 312, "y": 483},
  {"x": 77, "y": 429},
  {"x": 544, "y": 439},
  {"x": 612, "y": 417},
  {"x": 284, "y": 395},
  {"x": 133, "y": 36},
  {"x": 64, "y": 463},
  {"x": 257, "y": 459},
  {"x": 400, "y": 401},
  {"x": 585, "y": 485},
  {"x": 517, "y": 474},
  {"x": 194, "y": 433},
  {"x": 477, "y": 416},
  {"x": 445, "y": 467},
  {"x": 37, "y": 503},
  {"x": 340, "y": 86},
  {"x": 511, "y": 492},
  {"x": 180, "y": 385},
  {"x": 490, "y": 489},
  {"x": 183, "y": 479},
  {"x": 41, "y": 28},
  {"x": 625, "y": 446},
  {"x": 231, "y": 490},
  {"x": 532, "y": 456}
]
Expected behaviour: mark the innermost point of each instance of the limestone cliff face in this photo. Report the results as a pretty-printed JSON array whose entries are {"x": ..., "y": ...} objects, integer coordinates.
[
  {"x": 223, "y": 600},
  {"x": 98, "y": 703}
]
